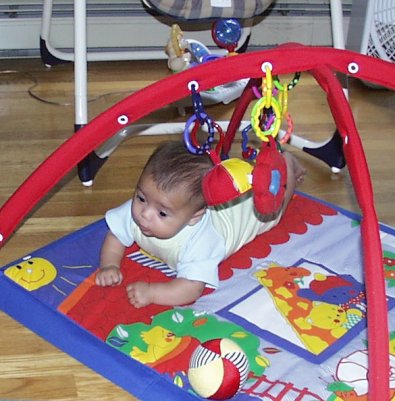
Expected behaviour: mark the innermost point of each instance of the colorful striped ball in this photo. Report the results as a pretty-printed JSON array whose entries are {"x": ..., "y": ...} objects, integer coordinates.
[{"x": 218, "y": 369}]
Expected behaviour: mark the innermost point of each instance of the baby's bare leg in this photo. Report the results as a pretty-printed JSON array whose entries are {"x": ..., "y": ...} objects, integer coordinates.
[
  {"x": 295, "y": 176},
  {"x": 298, "y": 170}
]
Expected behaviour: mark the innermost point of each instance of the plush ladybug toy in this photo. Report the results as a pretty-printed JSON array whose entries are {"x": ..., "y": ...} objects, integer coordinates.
[{"x": 231, "y": 178}]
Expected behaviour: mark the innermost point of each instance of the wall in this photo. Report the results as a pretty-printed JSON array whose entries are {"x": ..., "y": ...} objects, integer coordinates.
[{"x": 125, "y": 24}]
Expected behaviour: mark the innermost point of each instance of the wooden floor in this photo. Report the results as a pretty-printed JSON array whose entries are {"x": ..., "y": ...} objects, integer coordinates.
[{"x": 30, "y": 129}]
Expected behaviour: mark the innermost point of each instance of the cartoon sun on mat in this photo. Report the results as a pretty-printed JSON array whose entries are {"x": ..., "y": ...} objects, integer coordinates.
[{"x": 33, "y": 273}]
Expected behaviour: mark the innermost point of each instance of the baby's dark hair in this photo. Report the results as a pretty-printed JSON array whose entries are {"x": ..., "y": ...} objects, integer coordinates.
[{"x": 173, "y": 167}]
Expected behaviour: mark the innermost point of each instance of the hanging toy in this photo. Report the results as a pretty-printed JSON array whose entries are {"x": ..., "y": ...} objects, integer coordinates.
[
  {"x": 196, "y": 121},
  {"x": 226, "y": 181},
  {"x": 248, "y": 152},
  {"x": 283, "y": 98},
  {"x": 178, "y": 58},
  {"x": 269, "y": 178},
  {"x": 226, "y": 33},
  {"x": 229, "y": 178},
  {"x": 263, "y": 172},
  {"x": 266, "y": 115}
]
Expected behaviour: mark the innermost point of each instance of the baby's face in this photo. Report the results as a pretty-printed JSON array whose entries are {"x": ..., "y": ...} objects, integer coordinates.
[{"x": 160, "y": 214}]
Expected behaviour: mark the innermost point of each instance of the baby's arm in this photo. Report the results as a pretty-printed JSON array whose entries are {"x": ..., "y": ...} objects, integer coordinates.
[
  {"x": 110, "y": 261},
  {"x": 177, "y": 292}
]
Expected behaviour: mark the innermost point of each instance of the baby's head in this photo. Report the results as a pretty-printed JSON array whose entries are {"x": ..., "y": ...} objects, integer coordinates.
[
  {"x": 174, "y": 169},
  {"x": 169, "y": 192}
]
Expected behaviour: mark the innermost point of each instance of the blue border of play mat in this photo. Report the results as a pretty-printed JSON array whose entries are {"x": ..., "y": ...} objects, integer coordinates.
[{"x": 139, "y": 380}]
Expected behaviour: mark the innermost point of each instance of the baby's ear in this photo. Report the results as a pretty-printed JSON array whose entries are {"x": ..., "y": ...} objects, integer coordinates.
[{"x": 197, "y": 216}]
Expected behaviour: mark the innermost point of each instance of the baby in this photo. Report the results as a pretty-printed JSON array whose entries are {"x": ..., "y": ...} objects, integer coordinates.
[{"x": 169, "y": 219}]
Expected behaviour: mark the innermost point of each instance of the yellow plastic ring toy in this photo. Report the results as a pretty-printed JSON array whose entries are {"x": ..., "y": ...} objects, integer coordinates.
[
  {"x": 283, "y": 100},
  {"x": 255, "y": 117},
  {"x": 267, "y": 91}
]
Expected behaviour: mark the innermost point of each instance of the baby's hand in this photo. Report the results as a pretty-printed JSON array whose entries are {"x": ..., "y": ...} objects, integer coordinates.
[
  {"x": 108, "y": 276},
  {"x": 139, "y": 294}
]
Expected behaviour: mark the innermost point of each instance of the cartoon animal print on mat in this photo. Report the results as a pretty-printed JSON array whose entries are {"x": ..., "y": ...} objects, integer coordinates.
[
  {"x": 161, "y": 344},
  {"x": 317, "y": 324},
  {"x": 342, "y": 290},
  {"x": 334, "y": 321},
  {"x": 284, "y": 284},
  {"x": 169, "y": 341}
]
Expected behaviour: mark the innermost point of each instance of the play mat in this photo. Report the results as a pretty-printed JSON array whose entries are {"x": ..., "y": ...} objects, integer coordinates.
[{"x": 293, "y": 300}]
